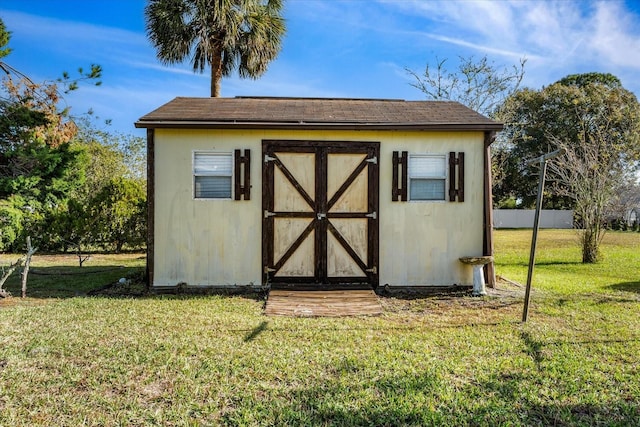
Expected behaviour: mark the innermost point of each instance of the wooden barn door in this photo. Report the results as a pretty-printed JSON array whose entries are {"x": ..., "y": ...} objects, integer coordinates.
[{"x": 320, "y": 214}]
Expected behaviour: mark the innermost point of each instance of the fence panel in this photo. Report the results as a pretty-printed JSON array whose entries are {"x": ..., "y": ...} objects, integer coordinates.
[{"x": 523, "y": 218}]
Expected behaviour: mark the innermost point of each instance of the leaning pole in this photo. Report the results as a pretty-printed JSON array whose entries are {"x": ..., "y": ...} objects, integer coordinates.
[{"x": 542, "y": 161}]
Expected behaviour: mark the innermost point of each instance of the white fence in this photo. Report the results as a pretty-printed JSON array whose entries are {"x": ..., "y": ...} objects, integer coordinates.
[{"x": 521, "y": 218}]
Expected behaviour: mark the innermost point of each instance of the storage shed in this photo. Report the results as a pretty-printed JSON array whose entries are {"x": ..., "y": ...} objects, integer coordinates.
[{"x": 317, "y": 193}]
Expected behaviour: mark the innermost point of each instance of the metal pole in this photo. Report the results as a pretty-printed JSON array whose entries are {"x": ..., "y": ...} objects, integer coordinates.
[
  {"x": 534, "y": 240},
  {"x": 536, "y": 220}
]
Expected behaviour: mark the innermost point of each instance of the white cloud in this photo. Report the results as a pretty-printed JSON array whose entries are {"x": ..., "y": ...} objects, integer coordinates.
[
  {"x": 39, "y": 28},
  {"x": 616, "y": 36},
  {"x": 484, "y": 48},
  {"x": 184, "y": 70},
  {"x": 557, "y": 37}
]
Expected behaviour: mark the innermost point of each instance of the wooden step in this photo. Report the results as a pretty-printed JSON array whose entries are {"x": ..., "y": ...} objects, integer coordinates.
[{"x": 323, "y": 303}]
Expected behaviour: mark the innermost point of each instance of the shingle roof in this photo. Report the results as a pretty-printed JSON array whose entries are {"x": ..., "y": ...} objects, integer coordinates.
[{"x": 315, "y": 113}]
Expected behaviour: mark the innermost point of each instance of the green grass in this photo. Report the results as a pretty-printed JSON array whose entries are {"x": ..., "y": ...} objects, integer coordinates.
[
  {"x": 214, "y": 360},
  {"x": 559, "y": 265}
]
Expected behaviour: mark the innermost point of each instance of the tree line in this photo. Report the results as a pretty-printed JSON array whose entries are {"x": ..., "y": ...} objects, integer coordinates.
[{"x": 64, "y": 181}]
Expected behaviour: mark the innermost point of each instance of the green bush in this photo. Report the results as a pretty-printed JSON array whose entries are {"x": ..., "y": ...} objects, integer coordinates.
[{"x": 11, "y": 220}]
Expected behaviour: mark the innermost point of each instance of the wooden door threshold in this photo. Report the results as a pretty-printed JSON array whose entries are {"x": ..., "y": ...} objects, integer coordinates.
[{"x": 321, "y": 286}]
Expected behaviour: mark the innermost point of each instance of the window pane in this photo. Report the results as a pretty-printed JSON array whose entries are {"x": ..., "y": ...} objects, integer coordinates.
[
  {"x": 212, "y": 175},
  {"x": 426, "y": 189},
  {"x": 212, "y": 164},
  {"x": 427, "y": 166},
  {"x": 213, "y": 187}
]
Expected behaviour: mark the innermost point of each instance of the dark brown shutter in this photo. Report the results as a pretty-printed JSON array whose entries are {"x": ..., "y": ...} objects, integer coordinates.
[
  {"x": 242, "y": 176},
  {"x": 395, "y": 188},
  {"x": 399, "y": 180},
  {"x": 461, "y": 177},
  {"x": 456, "y": 177}
]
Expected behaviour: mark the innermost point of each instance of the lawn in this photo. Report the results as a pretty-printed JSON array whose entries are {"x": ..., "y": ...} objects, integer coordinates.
[{"x": 71, "y": 359}]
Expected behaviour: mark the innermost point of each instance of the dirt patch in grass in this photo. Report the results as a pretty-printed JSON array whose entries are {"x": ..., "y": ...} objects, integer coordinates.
[
  {"x": 14, "y": 301},
  {"x": 502, "y": 304},
  {"x": 131, "y": 286},
  {"x": 504, "y": 293}
]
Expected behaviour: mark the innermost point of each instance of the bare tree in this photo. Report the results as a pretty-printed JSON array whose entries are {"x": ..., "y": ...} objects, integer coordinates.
[
  {"x": 6, "y": 274},
  {"x": 624, "y": 202},
  {"x": 26, "y": 260},
  {"x": 27, "y": 263},
  {"x": 591, "y": 172},
  {"x": 478, "y": 84}
]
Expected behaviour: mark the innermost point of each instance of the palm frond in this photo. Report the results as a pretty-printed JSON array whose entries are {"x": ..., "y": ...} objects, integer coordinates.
[{"x": 236, "y": 34}]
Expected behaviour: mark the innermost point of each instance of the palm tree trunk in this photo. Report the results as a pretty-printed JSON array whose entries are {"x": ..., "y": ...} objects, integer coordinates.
[{"x": 216, "y": 71}]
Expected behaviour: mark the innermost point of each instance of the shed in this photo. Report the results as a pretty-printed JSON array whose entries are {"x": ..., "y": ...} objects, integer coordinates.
[{"x": 316, "y": 193}]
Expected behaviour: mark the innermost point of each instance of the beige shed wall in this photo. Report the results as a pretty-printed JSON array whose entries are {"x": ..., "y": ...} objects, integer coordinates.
[
  {"x": 421, "y": 241},
  {"x": 218, "y": 242},
  {"x": 204, "y": 242}
]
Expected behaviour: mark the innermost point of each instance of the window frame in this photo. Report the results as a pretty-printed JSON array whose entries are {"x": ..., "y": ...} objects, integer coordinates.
[
  {"x": 230, "y": 156},
  {"x": 411, "y": 175}
]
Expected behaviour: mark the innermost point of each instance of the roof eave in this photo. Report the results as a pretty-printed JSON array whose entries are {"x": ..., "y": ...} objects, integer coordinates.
[{"x": 186, "y": 124}]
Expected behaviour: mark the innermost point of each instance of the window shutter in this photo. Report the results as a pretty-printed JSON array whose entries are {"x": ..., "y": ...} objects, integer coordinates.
[
  {"x": 399, "y": 181},
  {"x": 456, "y": 177},
  {"x": 242, "y": 178},
  {"x": 461, "y": 177}
]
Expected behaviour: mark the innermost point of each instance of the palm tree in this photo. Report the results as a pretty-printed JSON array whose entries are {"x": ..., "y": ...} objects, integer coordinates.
[{"x": 225, "y": 34}]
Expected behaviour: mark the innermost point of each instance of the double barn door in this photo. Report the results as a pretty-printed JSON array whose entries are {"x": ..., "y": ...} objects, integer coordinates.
[{"x": 320, "y": 214}]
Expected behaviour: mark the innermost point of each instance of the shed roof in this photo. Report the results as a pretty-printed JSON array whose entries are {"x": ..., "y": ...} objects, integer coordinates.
[{"x": 315, "y": 113}]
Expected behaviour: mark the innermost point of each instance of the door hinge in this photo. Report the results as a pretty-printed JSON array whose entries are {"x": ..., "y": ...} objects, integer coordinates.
[
  {"x": 268, "y": 158},
  {"x": 268, "y": 270},
  {"x": 373, "y": 215},
  {"x": 373, "y": 160},
  {"x": 267, "y": 214},
  {"x": 373, "y": 270}
]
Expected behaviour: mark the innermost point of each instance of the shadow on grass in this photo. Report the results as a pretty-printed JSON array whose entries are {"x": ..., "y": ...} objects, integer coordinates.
[
  {"x": 627, "y": 287},
  {"x": 533, "y": 348},
  {"x": 347, "y": 395},
  {"x": 66, "y": 281},
  {"x": 557, "y": 263},
  {"x": 255, "y": 332},
  {"x": 538, "y": 263},
  {"x": 520, "y": 390},
  {"x": 505, "y": 398},
  {"x": 71, "y": 281}
]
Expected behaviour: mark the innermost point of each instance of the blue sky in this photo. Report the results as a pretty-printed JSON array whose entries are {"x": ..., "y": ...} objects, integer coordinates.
[{"x": 333, "y": 48}]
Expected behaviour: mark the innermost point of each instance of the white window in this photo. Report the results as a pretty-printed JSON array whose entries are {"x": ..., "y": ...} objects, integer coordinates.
[
  {"x": 427, "y": 176},
  {"x": 212, "y": 173}
]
